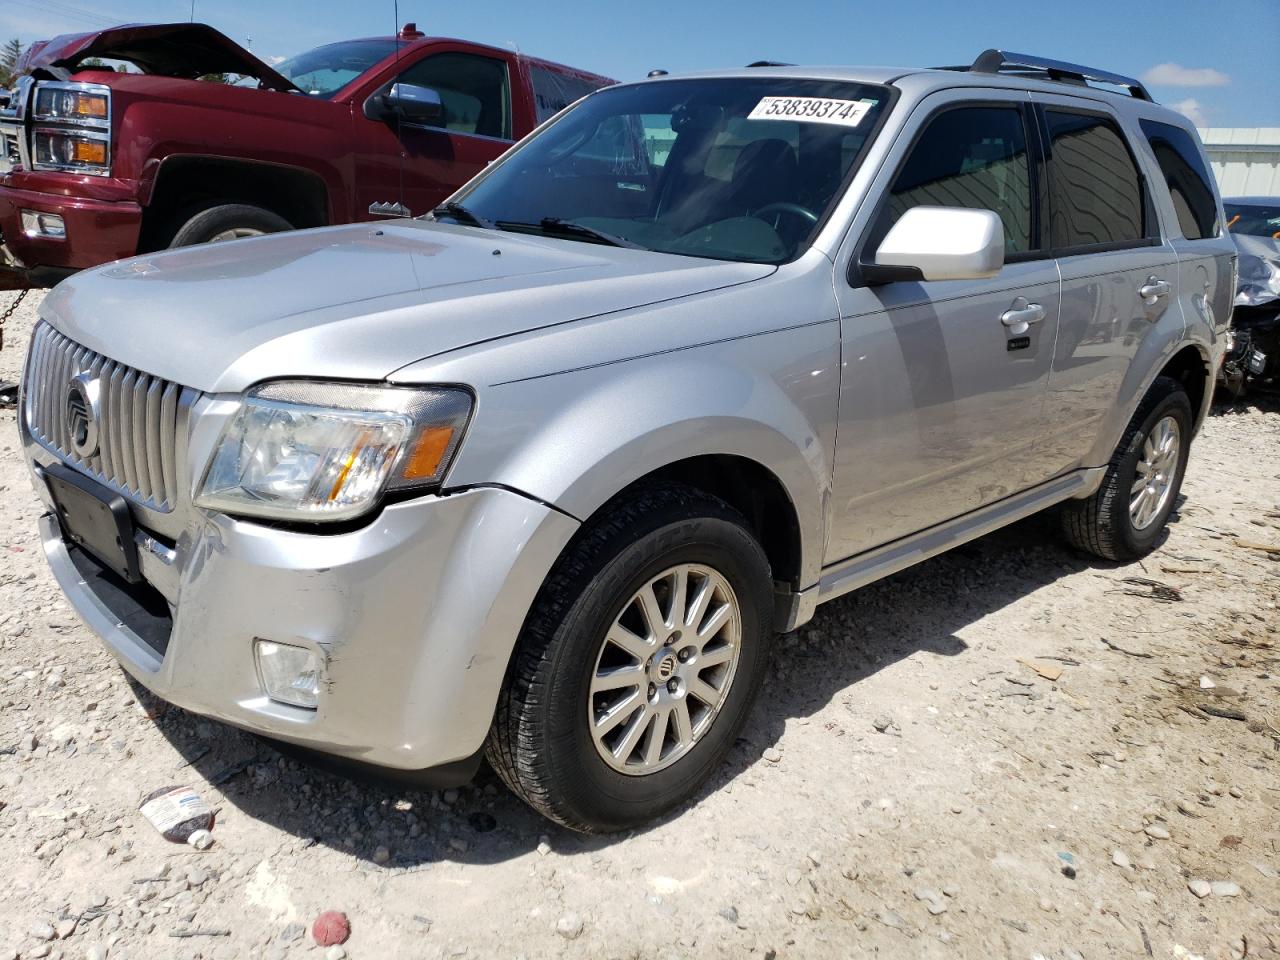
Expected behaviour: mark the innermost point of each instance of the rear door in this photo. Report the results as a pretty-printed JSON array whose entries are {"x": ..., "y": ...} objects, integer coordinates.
[
  {"x": 1119, "y": 278},
  {"x": 941, "y": 399},
  {"x": 419, "y": 166}
]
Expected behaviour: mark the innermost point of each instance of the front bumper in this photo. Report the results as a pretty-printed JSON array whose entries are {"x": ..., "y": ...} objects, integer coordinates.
[
  {"x": 97, "y": 231},
  {"x": 414, "y": 617}
]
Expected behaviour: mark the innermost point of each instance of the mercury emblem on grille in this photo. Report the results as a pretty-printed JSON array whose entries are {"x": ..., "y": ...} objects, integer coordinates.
[{"x": 81, "y": 413}]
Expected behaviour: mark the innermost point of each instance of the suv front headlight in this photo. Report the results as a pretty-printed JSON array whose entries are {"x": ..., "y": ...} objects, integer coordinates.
[{"x": 309, "y": 451}]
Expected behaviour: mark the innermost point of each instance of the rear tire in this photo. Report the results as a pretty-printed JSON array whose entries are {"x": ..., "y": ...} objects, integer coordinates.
[
  {"x": 228, "y": 221},
  {"x": 1124, "y": 518},
  {"x": 549, "y": 741}
]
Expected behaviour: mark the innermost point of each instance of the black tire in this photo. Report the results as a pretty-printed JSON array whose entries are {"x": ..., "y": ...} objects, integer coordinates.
[
  {"x": 540, "y": 743},
  {"x": 211, "y": 221},
  {"x": 1101, "y": 524}
]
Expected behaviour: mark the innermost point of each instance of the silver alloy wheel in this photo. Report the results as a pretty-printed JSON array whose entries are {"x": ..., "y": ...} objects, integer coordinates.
[
  {"x": 236, "y": 233},
  {"x": 1153, "y": 485},
  {"x": 664, "y": 669}
]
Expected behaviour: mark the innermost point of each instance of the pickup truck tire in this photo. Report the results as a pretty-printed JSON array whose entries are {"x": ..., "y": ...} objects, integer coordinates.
[
  {"x": 546, "y": 741},
  {"x": 1154, "y": 448},
  {"x": 228, "y": 221}
]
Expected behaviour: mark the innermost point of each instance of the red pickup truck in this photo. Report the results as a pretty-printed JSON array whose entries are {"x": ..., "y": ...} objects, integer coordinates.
[{"x": 98, "y": 164}]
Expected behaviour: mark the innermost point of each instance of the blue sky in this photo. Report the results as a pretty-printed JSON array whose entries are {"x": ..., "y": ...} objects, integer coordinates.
[{"x": 1218, "y": 61}]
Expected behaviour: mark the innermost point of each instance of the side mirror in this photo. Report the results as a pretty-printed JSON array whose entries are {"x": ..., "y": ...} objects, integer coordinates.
[
  {"x": 939, "y": 243},
  {"x": 410, "y": 103}
]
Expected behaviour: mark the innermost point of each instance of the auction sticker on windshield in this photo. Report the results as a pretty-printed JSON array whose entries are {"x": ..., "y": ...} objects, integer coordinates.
[{"x": 848, "y": 113}]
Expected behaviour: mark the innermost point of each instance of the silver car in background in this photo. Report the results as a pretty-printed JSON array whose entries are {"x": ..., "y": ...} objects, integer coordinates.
[{"x": 540, "y": 477}]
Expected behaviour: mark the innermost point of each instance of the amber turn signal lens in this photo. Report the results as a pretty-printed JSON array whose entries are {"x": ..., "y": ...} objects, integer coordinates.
[
  {"x": 89, "y": 152},
  {"x": 427, "y": 453},
  {"x": 91, "y": 105}
]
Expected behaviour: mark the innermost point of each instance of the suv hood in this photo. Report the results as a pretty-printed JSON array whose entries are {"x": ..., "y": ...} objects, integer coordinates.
[
  {"x": 356, "y": 302},
  {"x": 185, "y": 50}
]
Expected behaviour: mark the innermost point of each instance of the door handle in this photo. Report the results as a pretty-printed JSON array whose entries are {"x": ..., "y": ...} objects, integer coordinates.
[
  {"x": 1153, "y": 290},
  {"x": 1021, "y": 315}
]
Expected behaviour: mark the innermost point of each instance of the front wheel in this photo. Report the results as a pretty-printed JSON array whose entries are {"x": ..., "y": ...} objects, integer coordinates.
[
  {"x": 228, "y": 221},
  {"x": 1124, "y": 518},
  {"x": 638, "y": 662}
]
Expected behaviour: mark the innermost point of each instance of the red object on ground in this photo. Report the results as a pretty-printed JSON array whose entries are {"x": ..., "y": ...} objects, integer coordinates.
[{"x": 331, "y": 927}]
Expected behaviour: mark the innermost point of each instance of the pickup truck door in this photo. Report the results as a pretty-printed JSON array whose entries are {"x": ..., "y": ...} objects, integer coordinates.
[
  {"x": 1119, "y": 278},
  {"x": 942, "y": 383},
  {"x": 416, "y": 167}
]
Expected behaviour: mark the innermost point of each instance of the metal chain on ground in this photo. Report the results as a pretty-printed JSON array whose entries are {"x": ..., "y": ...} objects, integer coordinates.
[{"x": 9, "y": 311}]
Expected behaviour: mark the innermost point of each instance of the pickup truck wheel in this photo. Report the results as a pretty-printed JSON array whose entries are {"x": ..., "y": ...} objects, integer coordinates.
[
  {"x": 228, "y": 221},
  {"x": 638, "y": 662},
  {"x": 1125, "y": 517}
]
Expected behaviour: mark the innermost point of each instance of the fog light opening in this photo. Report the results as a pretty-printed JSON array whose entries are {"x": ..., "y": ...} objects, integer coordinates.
[
  {"x": 49, "y": 226},
  {"x": 288, "y": 674}
]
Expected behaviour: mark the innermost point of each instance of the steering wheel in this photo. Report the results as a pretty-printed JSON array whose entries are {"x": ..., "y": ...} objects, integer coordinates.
[{"x": 783, "y": 207}]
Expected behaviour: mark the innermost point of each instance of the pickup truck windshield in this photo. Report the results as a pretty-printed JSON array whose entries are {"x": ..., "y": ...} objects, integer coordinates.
[
  {"x": 324, "y": 71},
  {"x": 730, "y": 169}
]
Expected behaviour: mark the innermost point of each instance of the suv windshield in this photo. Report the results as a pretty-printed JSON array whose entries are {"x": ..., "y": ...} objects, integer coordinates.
[
  {"x": 324, "y": 71},
  {"x": 1254, "y": 219},
  {"x": 730, "y": 169}
]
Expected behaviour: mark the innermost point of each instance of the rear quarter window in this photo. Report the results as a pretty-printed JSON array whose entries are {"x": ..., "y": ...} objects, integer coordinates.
[{"x": 1186, "y": 177}]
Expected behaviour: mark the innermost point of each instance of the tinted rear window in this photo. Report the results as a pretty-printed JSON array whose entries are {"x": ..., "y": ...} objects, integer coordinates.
[
  {"x": 1186, "y": 177},
  {"x": 1095, "y": 189}
]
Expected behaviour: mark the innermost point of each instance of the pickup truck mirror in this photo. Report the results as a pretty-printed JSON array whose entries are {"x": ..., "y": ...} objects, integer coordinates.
[
  {"x": 939, "y": 243},
  {"x": 412, "y": 104}
]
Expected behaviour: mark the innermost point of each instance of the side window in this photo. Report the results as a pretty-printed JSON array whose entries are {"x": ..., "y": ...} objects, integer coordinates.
[
  {"x": 1186, "y": 177},
  {"x": 553, "y": 91},
  {"x": 1095, "y": 190},
  {"x": 972, "y": 157},
  {"x": 475, "y": 91}
]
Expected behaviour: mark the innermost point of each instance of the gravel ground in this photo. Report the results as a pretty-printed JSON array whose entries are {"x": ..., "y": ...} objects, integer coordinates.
[{"x": 907, "y": 786}]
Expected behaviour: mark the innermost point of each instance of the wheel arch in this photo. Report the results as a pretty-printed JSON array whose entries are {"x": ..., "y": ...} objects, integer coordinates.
[{"x": 185, "y": 184}]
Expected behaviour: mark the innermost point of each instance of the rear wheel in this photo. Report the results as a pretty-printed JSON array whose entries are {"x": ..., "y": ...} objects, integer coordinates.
[
  {"x": 638, "y": 663},
  {"x": 228, "y": 221},
  {"x": 1125, "y": 517}
]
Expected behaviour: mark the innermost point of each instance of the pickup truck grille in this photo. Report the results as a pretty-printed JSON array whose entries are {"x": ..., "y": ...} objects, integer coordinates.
[
  {"x": 141, "y": 419},
  {"x": 10, "y": 157}
]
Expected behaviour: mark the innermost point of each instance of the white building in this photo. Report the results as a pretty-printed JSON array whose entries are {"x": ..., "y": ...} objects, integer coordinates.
[{"x": 1246, "y": 160}]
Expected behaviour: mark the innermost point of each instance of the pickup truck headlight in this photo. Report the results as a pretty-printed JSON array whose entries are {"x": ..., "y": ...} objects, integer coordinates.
[
  {"x": 74, "y": 104},
  {"x": 326, "y": 451},
  {"x": 72, "y": 127},
  {"x": 70, "y": 151}
]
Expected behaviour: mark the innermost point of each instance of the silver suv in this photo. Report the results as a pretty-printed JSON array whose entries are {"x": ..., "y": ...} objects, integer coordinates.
[{"x": 539, "y": 477}]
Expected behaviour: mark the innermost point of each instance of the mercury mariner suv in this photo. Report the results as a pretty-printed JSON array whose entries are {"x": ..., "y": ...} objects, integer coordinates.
[{"x": 540, "y": 476}]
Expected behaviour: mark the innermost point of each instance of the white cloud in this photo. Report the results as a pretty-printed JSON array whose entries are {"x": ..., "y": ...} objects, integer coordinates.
[
  {"x": 1191, "y": 109},
  {"x": 274, "y": 60},
  {"x": 1176, "y": 75}
]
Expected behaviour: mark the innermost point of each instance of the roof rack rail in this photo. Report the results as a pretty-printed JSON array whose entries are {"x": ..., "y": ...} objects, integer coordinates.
[
  {"x": 1023, "y": 64},
  {"x": 769, "y": 63}
]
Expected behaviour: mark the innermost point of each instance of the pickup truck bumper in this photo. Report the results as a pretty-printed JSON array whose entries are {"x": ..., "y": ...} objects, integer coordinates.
[{"x": 96, "y": 232}]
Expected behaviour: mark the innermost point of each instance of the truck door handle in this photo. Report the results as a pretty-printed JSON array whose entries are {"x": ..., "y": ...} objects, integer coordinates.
[
  {"x": 1021, "y": 315},
  {"x": 1153, "y": 290}
]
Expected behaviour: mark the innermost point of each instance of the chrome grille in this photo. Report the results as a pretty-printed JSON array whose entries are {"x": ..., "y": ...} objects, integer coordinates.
[
  {"x": 141, "y": 418},
  {"x": 10, "y": 155}
]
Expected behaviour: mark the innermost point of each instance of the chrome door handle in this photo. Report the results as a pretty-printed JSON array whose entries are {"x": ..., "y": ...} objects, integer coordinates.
[
  {"x": 1021, "y": 315},
  {"x": 1153, "y": 290}
]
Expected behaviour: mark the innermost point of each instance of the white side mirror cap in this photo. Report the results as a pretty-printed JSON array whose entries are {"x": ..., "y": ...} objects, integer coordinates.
[{"x": 942, "y": 243}]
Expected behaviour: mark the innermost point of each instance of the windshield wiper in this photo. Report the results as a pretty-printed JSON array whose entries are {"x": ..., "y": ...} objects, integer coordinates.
[
  {"x": 463, "y": 215},
  {"x": 567, "y": 228}
]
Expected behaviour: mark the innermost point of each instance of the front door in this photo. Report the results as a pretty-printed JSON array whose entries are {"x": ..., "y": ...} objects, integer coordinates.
[
  {"x": 419, "y": 166},
  {"x": 943, "y": 383}
]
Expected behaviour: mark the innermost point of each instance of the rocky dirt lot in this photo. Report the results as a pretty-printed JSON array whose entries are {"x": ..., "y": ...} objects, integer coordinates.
[{"x": 908, "y": 787}]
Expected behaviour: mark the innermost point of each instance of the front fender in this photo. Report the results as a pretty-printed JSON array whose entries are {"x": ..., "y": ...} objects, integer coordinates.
[{"x": 575, "y": 439}]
